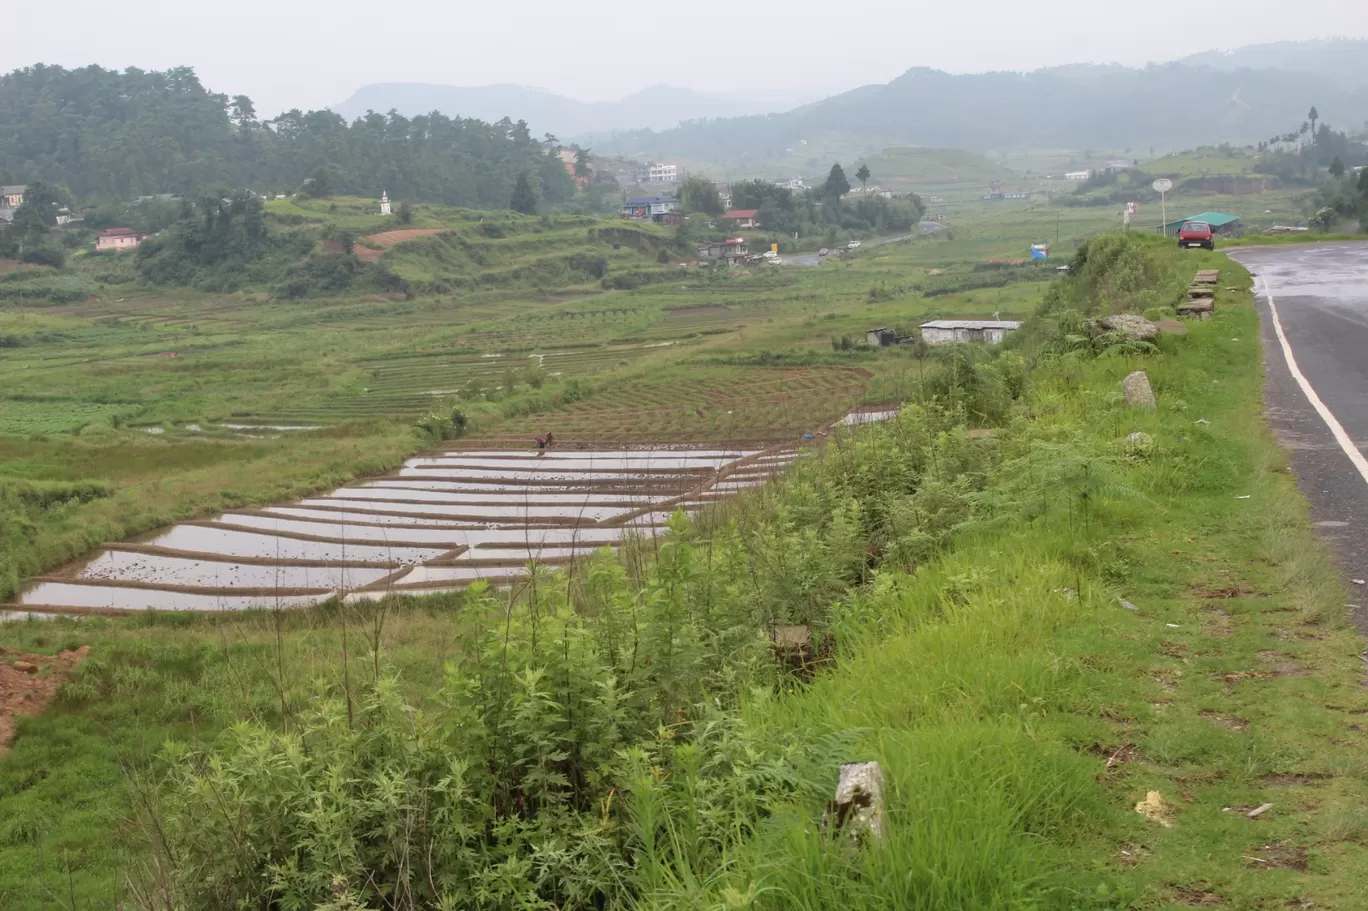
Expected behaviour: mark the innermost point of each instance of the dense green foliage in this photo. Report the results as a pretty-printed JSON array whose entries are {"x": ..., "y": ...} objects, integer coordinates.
[
  {"x": 107, "y": 135},
  {"x": 816, "y": 212}
]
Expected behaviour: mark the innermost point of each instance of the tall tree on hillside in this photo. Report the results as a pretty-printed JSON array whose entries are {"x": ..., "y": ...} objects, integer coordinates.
[
  {"x": 836, "y": 184},
  {"x": 243, "y": 112},
  {"x": 43, "y": 200},
  {"x": 319, "y": 185},
  {"x": 1313, "y": 115},
  {"x": 863, "y": 176},
  {"x": 524, "y": 197},
  {"x": 582, "y": 168},
  {"x": 700, "y": 195}
]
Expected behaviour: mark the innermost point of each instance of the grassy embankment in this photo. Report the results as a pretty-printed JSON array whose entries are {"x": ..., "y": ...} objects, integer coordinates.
[{"x": 1034, "y": 630}]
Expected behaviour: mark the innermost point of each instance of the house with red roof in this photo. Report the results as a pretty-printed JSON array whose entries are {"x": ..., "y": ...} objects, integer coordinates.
[{"x": 744, "y": 218}]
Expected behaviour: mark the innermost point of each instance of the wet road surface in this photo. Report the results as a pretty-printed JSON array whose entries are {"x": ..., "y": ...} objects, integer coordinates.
[{"x": 1317, "y": 385}]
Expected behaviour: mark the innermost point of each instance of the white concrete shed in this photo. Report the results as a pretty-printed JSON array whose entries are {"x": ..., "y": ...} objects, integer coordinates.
[{"x": 961, "y": 331}]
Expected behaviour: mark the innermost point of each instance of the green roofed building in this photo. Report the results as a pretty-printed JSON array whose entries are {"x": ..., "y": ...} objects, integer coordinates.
[{"x": 1221, "y": 223}]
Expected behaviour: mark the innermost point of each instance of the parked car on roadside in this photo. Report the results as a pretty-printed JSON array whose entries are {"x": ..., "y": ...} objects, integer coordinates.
[
  {"x": 823, "y": 252},
  {"x": 1196, "y": 234}
]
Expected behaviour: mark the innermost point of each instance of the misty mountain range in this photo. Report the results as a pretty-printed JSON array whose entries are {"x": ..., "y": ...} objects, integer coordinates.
[
  {"x": 1244, "y": 95},
  {"x": 659, "y": 107}
]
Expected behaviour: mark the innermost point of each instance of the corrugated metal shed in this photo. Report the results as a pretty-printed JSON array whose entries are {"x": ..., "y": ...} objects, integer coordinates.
[{"x": 1217, "y": 220}]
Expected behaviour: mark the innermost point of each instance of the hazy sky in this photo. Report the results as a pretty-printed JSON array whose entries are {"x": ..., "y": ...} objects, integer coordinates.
[{"x": 310, "y": 53}]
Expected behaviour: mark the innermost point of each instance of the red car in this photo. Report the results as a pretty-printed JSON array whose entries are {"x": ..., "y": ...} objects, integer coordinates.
[{"x": 1196, "y": 234}]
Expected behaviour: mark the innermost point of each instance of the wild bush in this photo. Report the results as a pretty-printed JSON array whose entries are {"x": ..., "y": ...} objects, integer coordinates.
[{"x": 585, "y": 748}]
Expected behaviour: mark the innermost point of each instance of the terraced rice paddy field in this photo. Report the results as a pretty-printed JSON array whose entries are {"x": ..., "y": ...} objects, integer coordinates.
[
  {"x": 232, "y": 407},
  {"x": 442, "y": 520}
]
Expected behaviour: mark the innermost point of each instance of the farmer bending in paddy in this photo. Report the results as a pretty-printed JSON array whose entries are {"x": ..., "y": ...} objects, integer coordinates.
[{"x": 544, "y": 443}]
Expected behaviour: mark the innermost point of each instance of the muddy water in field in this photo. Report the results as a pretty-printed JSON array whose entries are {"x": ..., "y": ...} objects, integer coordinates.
[
  {"x": 577, "y": 465},
  {"x": 369, "y": 497},
  {"x": 97, "y": 597},
  {"x": 430, "y": 575},
  {"x": 449, "y": 517},
  {"x": 440, "y": 491},
  {"x": 135, "y": 567},
  {"x": 198, "y": 539},
  {"x": 366, "y": 534},
  {"x": 459, "y": 515}
]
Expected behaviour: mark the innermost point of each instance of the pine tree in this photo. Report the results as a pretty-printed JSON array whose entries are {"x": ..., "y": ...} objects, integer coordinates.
[
  {"x": 524, "y": 197},
  {"x": 836, "y": 184}
]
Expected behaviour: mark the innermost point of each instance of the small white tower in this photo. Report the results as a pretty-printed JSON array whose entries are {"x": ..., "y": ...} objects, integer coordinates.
[{"x": 384, "y": 203}]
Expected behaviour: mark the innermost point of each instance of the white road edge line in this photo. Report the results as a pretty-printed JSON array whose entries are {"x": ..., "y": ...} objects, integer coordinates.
[{"x": 1345, "y": 441}]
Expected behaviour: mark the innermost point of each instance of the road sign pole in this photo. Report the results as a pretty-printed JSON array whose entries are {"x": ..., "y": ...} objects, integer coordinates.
[{"x": 1162, "y": 186}]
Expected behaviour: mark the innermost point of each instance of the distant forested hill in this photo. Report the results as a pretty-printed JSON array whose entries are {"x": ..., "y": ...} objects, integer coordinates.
[
  {"x": 1072, "y": 107},
  {"x": 658, "y": 107},
  {"x": 1343, "y": 59},
  {"x": 104, "y": 134}
]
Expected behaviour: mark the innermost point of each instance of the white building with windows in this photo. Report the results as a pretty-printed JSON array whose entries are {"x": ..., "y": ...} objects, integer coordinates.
[{"x": 662, "y": 173}]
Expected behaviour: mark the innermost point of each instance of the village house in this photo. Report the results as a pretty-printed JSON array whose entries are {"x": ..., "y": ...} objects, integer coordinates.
[
  {"x": 654, "y": 208},
  {"x": 662, "y": 173},
  {"x": 961, "y": 331},
  {"x": 744, "y": 218},
  {"x": 11, "y": 198},
  {"x": 119, "y": 239},
  {"x": 732, "y": 251},
  {"x": 568, "y": 158}
]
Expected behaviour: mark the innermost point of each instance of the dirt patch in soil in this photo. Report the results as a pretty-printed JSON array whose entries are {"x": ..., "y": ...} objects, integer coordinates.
[
  {"x": 1219, "y": 623},
  {"x": 1226, "y": 721},
  {"x": 1233, "y": 591},
  {"x": 1198, "y": 896},
  {"x": 28, "y": 683},
  {"x": 387, "y": 239},
  {"x": 1294, "y": 778},
  {"x": 1278, "y": 854},
  {"x": 1113, "y": 755},
  {"x": 1283, "y": 665},
  {"x": 1129, "y": 854}
]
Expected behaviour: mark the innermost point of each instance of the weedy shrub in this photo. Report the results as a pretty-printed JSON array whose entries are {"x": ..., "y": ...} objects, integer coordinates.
[{"x": 586, "y": 746}]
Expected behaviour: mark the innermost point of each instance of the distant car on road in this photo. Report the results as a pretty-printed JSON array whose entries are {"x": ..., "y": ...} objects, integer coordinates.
[
  {"x": 1196, "y": 234},
  {"x": 852, "y": 245},
  {"x": 823, "y": 252}
]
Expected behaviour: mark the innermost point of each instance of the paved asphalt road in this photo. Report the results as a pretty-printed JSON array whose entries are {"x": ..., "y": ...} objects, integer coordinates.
[{"x": 1318, "y": 295}]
